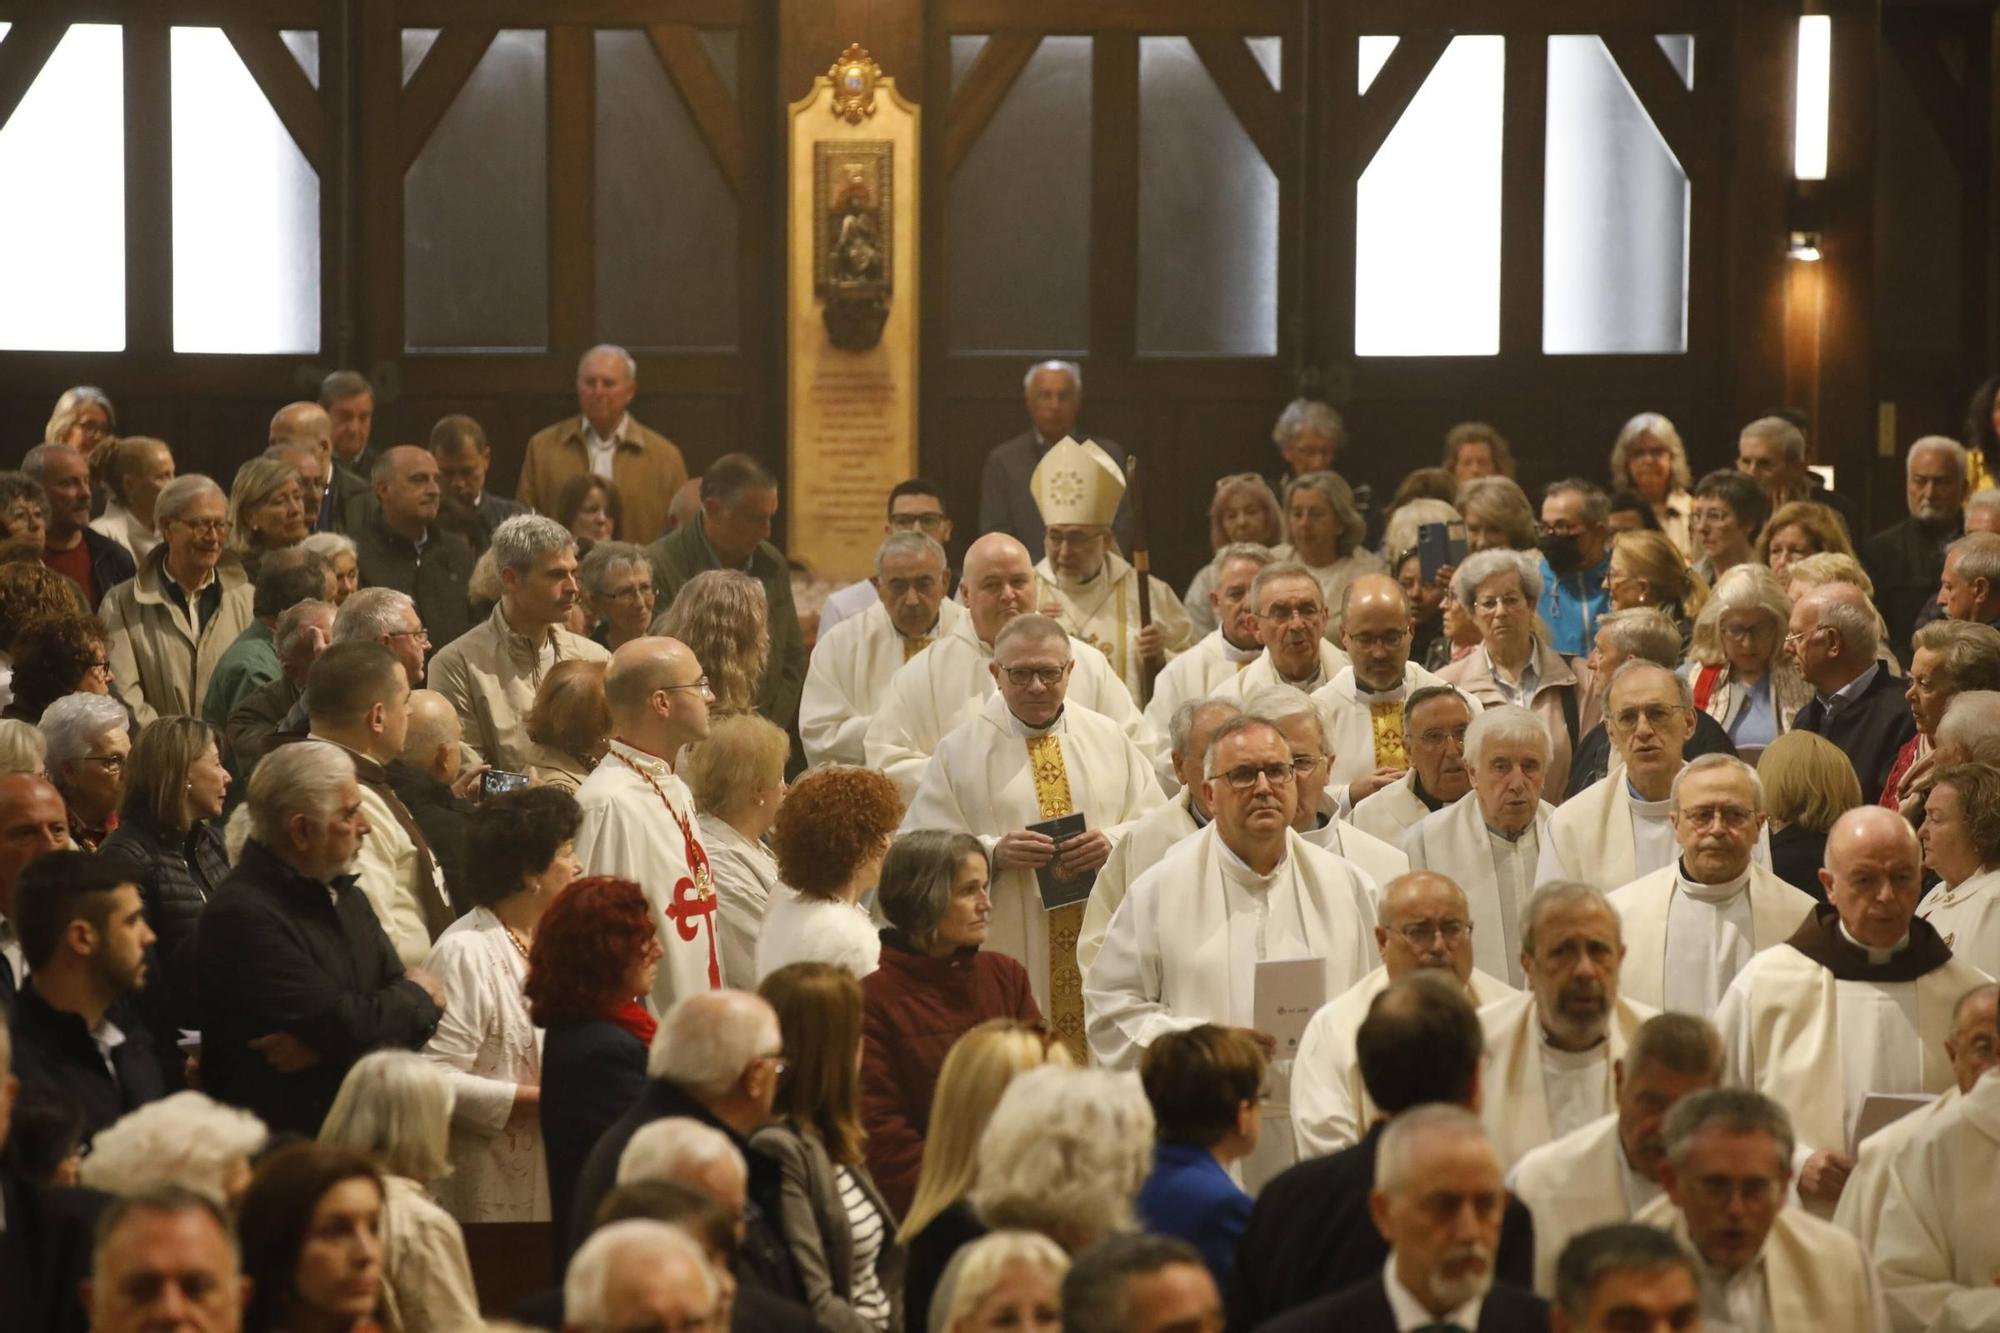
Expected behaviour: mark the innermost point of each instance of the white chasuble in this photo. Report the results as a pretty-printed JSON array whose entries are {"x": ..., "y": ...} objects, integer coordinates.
[
  {"x": 944, "y": 686},
  {"x": 1968, "y": 916},
  {"x": 1935, "y": 1243},
  {"x": 1535, "y": 1093},
  {"x": 1496, "y": 873},
  {"x": 1810, "y": 1276},
  {"x": 1183, "y": 950},
  {"x": 1192, "y": 676},
  {"x": 1392, "y": 811},
  {"x": 1819, "y": 1045},
  {"x": 1859, "y": 1212},
  {"x": 1263, "y": 671},
  {"x": 1331, "y": 1108},
  {"x": 639, "y": 824},
  {"x": 1104, "y": 613},
  {"x": 1685, "y": 942},
  {"x": 850, "y": 671},
  {"x": 1607, "y": 836},
  {"x": 1377, "y": 862},
  {"x": 1366, "y": 726},
  {"x": 1143, "y": 844},
  {"x": 981, "y": 781},
  {"x": 1574, "y": 1184}
]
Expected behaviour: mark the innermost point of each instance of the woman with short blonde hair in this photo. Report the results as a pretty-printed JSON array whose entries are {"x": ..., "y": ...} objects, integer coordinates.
[
  {"x": 722, "y": 616},
  {"x": 1809, "y": 782},
  {"x": 1801, "y": 528},
  {"x": 1649, "y": 570},
  {"x": 1497, "y": 514},
  {"x": 267, "y": 511},
  {"x": 1244, "y": 509},
  {"x": 737, "y": 777},
  {"x": 1648, "y": 457},
  {"x": 569, "y": 723}
]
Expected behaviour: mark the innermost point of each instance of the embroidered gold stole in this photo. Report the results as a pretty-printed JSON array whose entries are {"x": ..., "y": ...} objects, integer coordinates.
[
  {"x": 1052, "y": 797},
  {"x": 1385, "y": 723}
]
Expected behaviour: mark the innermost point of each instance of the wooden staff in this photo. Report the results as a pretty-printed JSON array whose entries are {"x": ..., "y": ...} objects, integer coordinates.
[{"x": 1142, "y": 563}]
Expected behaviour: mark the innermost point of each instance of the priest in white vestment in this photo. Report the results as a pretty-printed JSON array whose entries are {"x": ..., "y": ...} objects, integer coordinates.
[
  {"x": 1435, "y": 719},
  {"x": 1858, "y": 1001},
  {"x": 915, "y": 506},
  {"x": 1616, "y": 829},
  {"x": 1961, "y": 838},
  {"x": 1691, "y": 926},
  {"x": 1550, "y": 1052},
  {"x": 1486, "y": 842},
  {"x": 639, "y": 821},
  {"x": 1291, "y": 624},
  {"x": 1935, "y": 1243},
  {"x": 1609, "y": 1169},
  {"x": 1423, "y": 925},
  {"x": 945, "y": 684},
  {"x": 1029, "y": 756},
  {"x": 1364, "y": 700},
  {"x": 1764, "y": 1265},
  {"x": 1184, "y": 947},
  {"x": 1084, "y": 583},
  {"x": 1973, "y": 1048},
  {"x": 1303, "y": 726},
  {"x": 1224, "y": 651},
  {"x": 1185, "y": 814},
  {"x": 853, "y": 662}
]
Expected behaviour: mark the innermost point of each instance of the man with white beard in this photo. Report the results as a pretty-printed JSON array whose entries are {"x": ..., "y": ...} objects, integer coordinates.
[{"x": 946, "y": 684}]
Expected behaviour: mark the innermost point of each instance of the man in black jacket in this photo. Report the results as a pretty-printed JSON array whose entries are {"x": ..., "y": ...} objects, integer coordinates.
[
  {"x": 716, "y": 1061},
  {"x": 1856, "y": 703},
  {"x": 1312, "y": 1232},
  {"x": 1906, "y": 560},
  {"x": 84, "y": 930},
  {"x": 33, "y": 822},
  {"x": 427, "y": 778},
  {"x": 401, "y": 545},
  {"x": 459, "y": 444},
  {"x": 297, "y": 980}
]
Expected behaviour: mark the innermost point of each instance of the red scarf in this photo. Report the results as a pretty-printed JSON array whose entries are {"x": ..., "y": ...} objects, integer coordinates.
[{"x": 632, "y": 1016}]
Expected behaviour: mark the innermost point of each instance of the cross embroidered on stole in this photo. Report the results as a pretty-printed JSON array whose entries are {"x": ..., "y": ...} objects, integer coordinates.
[
  {"x": 1385, "y": 721},
  {"x": 1052, "y": 798}
]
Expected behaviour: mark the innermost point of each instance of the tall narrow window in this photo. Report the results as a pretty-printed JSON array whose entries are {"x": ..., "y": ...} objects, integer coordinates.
[
  {"x": 1427, "y": 212},
  {"x": 246, "y": 210},
  {"x": 62, "y": 158}
]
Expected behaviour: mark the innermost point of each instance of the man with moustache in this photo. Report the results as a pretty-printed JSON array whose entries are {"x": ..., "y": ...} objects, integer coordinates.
[
  {"x": 1552, "y": 1051},
  {"x": 1224, "y": 651},
  {"x": 1425, "y": 926},
  {"x": 1763, "y": 1267},
  {"x": 1291, "y": 624},
  {"x": 1364, "y": 700},
  {"x": 1610, "y": 1168},
  {"x": 1435, "y": 720},
  {"x": 854, "y": 661},
  {"x": 948, "y": 682},
  {"x": 1183, "y": 947}
]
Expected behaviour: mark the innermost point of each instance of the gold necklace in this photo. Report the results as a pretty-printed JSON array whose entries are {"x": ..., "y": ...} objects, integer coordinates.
[{"x": 515, "y": 940}]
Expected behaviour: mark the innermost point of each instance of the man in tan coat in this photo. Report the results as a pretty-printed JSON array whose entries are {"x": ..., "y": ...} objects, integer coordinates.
[{"x": 604, "y": 440}]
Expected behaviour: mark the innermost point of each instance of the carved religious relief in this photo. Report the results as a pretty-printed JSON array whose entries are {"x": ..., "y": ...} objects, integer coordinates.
[{"x": 854, "y": 250}]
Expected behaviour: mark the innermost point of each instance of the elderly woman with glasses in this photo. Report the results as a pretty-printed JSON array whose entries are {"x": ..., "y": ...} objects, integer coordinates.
[
  {"x": 1243, "y": 510},
  {"x": 172, "y": 623},
  {"x": 83, "y": 418},
  {"x": 24, "y": 516},
  {"x": 1950, "y": 658},
  {"x": 1515, "y": 663},
  {"x": 618, "y": 591},
  {"x": 1737, "y": 666},
  {"x": 88, "y": 742}
]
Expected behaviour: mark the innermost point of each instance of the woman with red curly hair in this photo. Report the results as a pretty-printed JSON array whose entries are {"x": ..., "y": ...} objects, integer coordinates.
[
  {"x": 830, "y": 837},
  {"x": 594, "y": 956}
]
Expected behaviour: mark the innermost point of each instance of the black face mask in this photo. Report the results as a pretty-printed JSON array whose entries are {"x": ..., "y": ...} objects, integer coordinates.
[{"x": 1562, "y": 551}]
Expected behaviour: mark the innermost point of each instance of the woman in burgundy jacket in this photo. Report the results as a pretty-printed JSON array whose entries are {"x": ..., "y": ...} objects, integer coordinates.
[{"x": 934, "y": 984}]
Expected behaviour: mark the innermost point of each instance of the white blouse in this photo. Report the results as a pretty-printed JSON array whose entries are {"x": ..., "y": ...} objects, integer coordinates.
[
  {"x": 817, "y": 930},
  {"x": 488, "y": 1042},
  {"x": 745, "y": 874}
]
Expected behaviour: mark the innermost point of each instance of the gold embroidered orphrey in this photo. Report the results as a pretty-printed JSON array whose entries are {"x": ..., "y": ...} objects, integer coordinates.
[
  {"x": 1385, "y": 721},
  {"x": 1052, "y": 798},
  {"x": 854, "y": 77}
]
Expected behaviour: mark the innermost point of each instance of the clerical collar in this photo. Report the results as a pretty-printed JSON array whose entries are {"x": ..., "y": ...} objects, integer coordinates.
[
  {"x": 1423, "y": 794},
  {"x": 1711, "y": 893},
  {"x": 1875, "y": 955},
  {"x": 1365, "y": 690},
  {"x": 1822, "y": 938},
  {"x": 1232, "y": 653},
  {"x": 1659, "y": 809}
]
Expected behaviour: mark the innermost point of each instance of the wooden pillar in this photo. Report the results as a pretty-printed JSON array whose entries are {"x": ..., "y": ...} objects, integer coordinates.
[{"x": 812, "y": 33}]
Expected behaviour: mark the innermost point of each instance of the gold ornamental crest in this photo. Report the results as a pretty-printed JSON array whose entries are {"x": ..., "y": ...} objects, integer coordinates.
[{"x": 854, "y": 77}]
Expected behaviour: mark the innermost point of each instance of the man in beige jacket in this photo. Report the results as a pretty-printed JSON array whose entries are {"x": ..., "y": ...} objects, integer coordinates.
[{"x": 604, "y": 440}]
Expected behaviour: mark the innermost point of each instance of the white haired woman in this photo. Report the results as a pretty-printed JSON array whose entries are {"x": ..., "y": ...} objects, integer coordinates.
[
  {"x": 737, "y": 777},
  {"x": 1325, "y": 533},
  {"x": 188, "y": 1140},
  {"x": 520, "y": 856},
  {"x": 83, "y": 418},
  {"x": 1736, "y": 664},
  {"x": 1949, "y": 657},
  {"x": 1514, "y": 663},
  {"x": 395, "y": 1107},
  {"x": 1007, "y": 1282},
  {"x": 88, "y": 742},
  {"x": 341, "y": 556},
  {"x": 1648, "y": 457},
  {"x": 171, "y": 624}
]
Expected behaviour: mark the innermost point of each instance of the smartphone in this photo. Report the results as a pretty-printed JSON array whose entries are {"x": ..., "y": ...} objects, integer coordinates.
[
  {"x": 1439, "y": 545},
  {"x": 494, "y": 781}
]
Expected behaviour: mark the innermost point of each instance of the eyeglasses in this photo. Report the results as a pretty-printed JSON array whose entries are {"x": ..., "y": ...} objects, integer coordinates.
[
  {"x": 1420, "y": 933},
  {"x": 420, "y": 634},
  {"x": 110, "y": 763},
  {"x": 1718, "y": 1190},
  {"x": 1074, "y": 536},
  {"x": 1286, "y": 612},
  {"x": 1656, "y": 716},
  {"x": 911, "y": 522},
  {"x": 1748, "y": 632},
  {"x": 1302, "y": 764},
  {"x": 1512, "y": 601},
  {"x": 701, "y": 684},
  {"x": 1439, "y": 735},
  {"x": 206, "y": 527},
  {"x": 638, "y": 592},
  {"x": 1245, "y": 778},
  {"x": 1728, "y": 816},
  {"x": 1048, "y": 677},
  {"x": 104, "y": 667}
]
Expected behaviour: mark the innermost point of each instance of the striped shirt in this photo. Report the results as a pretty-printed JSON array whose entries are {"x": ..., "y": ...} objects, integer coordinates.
[{"x": 864, "y": 1220}]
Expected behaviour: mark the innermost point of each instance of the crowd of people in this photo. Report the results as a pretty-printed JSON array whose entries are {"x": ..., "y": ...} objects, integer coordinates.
[{"x": 1466, "y": 912}]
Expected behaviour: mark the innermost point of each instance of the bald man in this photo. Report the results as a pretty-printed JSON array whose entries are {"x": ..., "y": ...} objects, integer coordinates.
[
  {"x": 344, "y": 498},
  {"x": 639, "y": 818},
  {"x": 1425, "y": 925},
  {"x": 950, "y": 681},
  {"x": 1364, "y": 700},
  {"x": 432, "y": 780},
  {"x": 1856, "y": 703},
  {"x": 401, "y": 546},
  {"x": 1857, "y": 1002}
]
